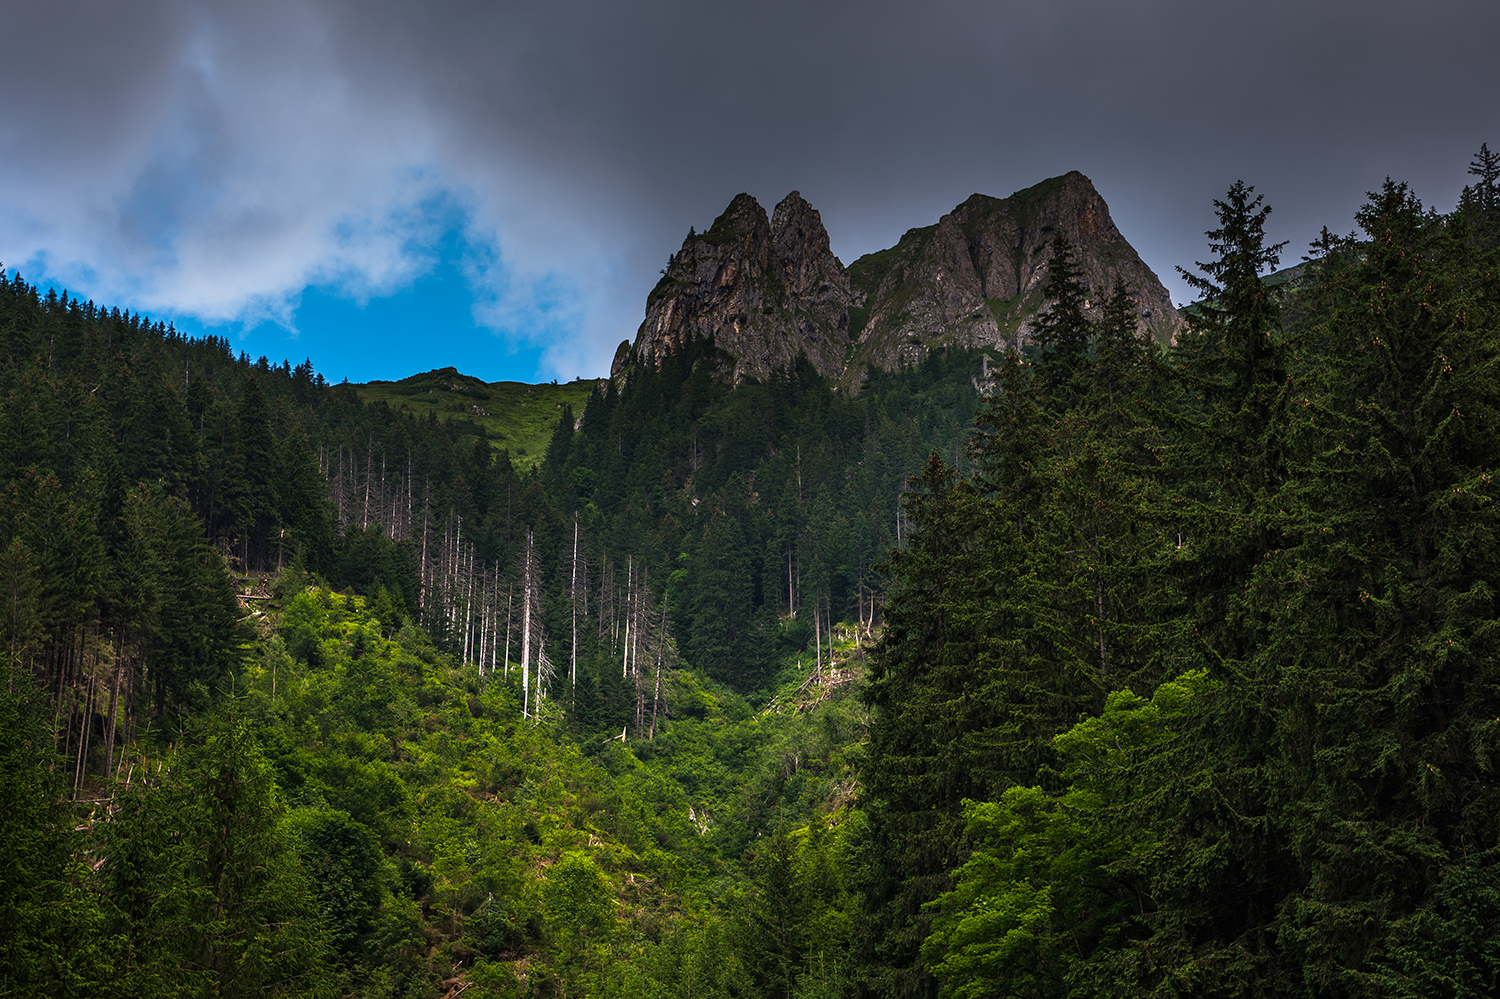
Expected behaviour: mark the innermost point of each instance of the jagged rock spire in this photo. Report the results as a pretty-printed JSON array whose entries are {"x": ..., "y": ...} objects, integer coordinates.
[
  {"x": 768, "y": 289},
  {"x": 765, "y": 291}
]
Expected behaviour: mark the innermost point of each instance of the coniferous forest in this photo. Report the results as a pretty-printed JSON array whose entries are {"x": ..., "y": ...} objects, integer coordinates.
[{"x": 1105, "y": 667}]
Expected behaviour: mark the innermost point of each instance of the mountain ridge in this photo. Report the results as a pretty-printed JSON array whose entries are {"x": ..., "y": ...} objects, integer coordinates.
[{"x": 768, "y": 288}]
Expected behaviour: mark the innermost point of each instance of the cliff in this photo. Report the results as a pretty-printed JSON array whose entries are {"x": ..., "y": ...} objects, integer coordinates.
[
  {"x": 767, "y": 289},
  {"x": 764, "y": 289},
  {"x": 973, "y": 279}
]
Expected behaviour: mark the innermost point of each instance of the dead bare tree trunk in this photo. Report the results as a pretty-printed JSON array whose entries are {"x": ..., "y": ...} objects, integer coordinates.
[
  {"x": 859, "y": 592},
  {"x": 573, "y": 600},
  {"x": 661, "y": 651},
  {"x": 469, "y": 609},
  {"x": 364, "y": 522},
  {"x": 791, "y": 600},
  {"x": 114, "y": 704},
  {"x": 543, "y": 672},
  {"x": 817, "y": 639},
  {"x": 527, "y": 584},
  {"x": 426, "y": 511},
  {"x": 625, "y": 659},
  {"x": 81, "y": 771},
  {"x": 508, "y": 591}
]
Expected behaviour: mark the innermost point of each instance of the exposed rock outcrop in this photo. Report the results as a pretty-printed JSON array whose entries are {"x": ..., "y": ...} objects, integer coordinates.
[
  {"x": 973, "y": 279},
  {"x": 769, "y": 289},
  {"x": 765, "y": 289},
  {"x": 814, "y": 277}
]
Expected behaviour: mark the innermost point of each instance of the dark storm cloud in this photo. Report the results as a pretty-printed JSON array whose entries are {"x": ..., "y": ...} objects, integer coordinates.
[{"x": 215, "y": 159}]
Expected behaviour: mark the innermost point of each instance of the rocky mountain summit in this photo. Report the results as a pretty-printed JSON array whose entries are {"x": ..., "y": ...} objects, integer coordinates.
[
  {"x": 765, "y": 289},
  {"x": 769, "y": 289},
  {"x": 974, "y": 278}
]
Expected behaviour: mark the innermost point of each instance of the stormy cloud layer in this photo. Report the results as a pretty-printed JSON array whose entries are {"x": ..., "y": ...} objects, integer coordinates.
[{"x": 214, "y": 160}]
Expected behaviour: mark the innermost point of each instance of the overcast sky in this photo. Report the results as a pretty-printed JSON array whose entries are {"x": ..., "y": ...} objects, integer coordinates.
[{"x": 391, "y": 187}]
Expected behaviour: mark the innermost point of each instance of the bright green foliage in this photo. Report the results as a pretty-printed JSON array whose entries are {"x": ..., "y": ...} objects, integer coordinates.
[
  {"x": 1045, "y": 889},
  {"x": 793, "y": 920},
  {"x": 206, "y": 880},
  {"x": 578, "y": 913},
  {"x": 516, "y": 418},
  {"x": 695, "y": 957},
  {"x": 502, "y": 842},
  {"x": 343, "y": 861}
]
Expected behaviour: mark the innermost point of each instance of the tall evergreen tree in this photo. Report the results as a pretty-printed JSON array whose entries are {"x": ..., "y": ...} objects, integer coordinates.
[
  {"x": 1479, "y": 204},
  {"x": 1061, "y": 328},
  {"x": 1486, "y": 166},
  {"x": 961, "y": 707},
  {"x": 721, "y": 601}
]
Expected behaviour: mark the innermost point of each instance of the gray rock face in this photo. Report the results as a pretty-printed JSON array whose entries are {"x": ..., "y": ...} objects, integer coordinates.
[
  {"x": 813, "y": 276},
  {"x": 972, "y": 280},
  {"x": 769, "y": 289},
  {"x": 766, "y": 290}
]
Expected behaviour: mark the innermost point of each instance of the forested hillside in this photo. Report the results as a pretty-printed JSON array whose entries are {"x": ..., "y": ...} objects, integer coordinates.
[
  {"x": 185, "y": 535},
  {"x": 1190, "y": 688},
  {"x": 1109, "y": 668}
]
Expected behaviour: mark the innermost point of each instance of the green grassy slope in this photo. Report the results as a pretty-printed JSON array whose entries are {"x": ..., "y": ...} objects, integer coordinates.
[{"x": 513, "y": 415}]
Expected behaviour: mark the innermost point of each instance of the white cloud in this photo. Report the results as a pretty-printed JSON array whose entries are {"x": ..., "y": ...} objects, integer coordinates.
[{"x": 216, "y": 159}]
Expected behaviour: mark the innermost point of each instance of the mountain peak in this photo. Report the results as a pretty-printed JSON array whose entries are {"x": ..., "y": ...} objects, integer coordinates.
[
  {"x": 743, "y": 218},
  {"x": 765, "y": 291},
  {"x": 974, "y": 278},
  {"x": 813, "y": 276},
  {"x": 769, "y": 289}
]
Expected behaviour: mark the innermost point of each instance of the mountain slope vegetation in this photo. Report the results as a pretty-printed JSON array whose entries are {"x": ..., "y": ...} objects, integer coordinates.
[
  {"x": 1109, "y": 667},
  {"x": 515, "y": 417}
]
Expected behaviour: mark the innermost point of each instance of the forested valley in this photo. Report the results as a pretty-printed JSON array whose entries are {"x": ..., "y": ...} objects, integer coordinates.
[{"x": 1104, "y": 667}]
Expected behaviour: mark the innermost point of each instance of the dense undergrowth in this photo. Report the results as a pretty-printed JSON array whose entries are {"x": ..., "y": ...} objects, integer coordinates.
[{"x": 365, "y": 816}]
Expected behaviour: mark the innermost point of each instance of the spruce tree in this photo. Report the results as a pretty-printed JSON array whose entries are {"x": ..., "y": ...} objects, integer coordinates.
[
  {"x": 1479, "y": 204},
  {"x": 721, "y": 603},
  {"x": 1329, "y": 823},
  {"x": 1118, "y": 368},
  {"x": 1486, "y": 166},
  {"x": 961, "y": 707},
  {"x": 1392, "y": 589},
  {"x": 1061, "y": 328}
]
